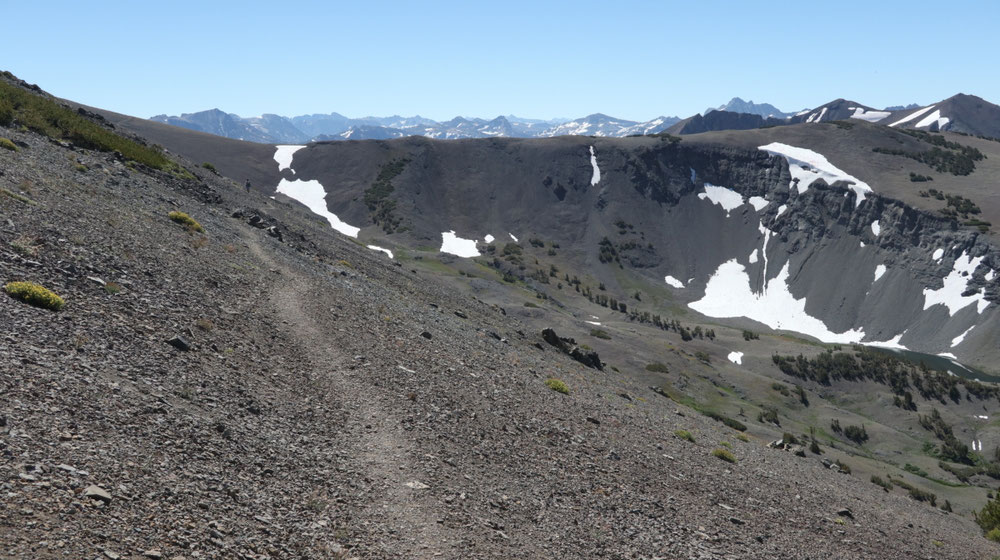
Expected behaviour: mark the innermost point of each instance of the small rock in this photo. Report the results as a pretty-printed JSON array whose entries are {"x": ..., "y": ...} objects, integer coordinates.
[
  {"x": 416, "y": 485},
  {"x": 593, "y": 421},
  {"x": 97, "y": 281},
  {"x": 180, "y": 343},
  {"x": 97, "y": 493},
  {"x": 153, "y": 553},
  {"x": 845, "y": 512},
  {"x": 737, "y": 521},
  {"x": 461, "y": 315},
  {"x": 427, "y": 335}
]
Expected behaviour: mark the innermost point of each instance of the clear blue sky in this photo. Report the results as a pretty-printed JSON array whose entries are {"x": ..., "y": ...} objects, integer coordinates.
[{"x": 541, "y": 59}]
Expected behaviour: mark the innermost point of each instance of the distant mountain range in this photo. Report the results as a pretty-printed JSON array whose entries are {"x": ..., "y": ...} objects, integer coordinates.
[
  {"x": 960, "y": 113},
  {"x": 276, "y": 129}
]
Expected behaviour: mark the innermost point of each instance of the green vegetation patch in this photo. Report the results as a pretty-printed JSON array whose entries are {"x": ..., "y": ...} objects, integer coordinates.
[
  {"x": 600, "y": 333},
  {"x": 8, "y": 145},
  {"x": 657, "y": 367},
  {"x": 685, "y": 435},
  {"x": 187, "y": 221},
  {"x": 17, "y": 197},
  {"x": 557, "y": 385},
  {"x": 724, "y": 454},
  {"x": 377, "y": 199},
  {"x": 944, "y": 157},
  {"x": 46, "y": 117},
  {"x": 34, "y": 294}
]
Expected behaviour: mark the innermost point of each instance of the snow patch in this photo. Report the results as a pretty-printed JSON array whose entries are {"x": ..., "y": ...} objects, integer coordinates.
[
  {"x": 758, "y": 202},
  {"x": 596, "y": 178},
  {"x": 938, "y": 253},
  {"x": 592, "y": 323},
  {"x": 950, "y": 293},
  {"x": 673, "y": 281},
  {"x": 781, "y": 210},
  {"x": 862, "y": 244},
  {"x": 313, "y": 195},
  {"x": 489, "y": 238},
  {"x": 807, "y": 166},
  {"x": 870, "y": 116},
  {"x": 455, "y": 245},
  {"x": 879, "y": 271},
  {"x": 728, "y": 199},
  {"x": 736, "y": 357},
  {"x": 931, "y": 119},
  {"x": 512, "y": 237},
  {"x": 382, "y": 249},
  {"x": 989, "y": 276},
  {"x": 729, "y": 294},
  {"x": 958, "y": 339},
  {"x": 892, "y": 343},
  {"x": 753, "y": 256},
  {"x": 876, "y": 229},
  {"x": 283, "y": 155},
  {"x": 912, "y": 116}
]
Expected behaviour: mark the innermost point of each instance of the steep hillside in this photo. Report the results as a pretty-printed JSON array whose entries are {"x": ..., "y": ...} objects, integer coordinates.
[
  {"x": 269, "y": 388},
  {"x": 967, "y": 114}
]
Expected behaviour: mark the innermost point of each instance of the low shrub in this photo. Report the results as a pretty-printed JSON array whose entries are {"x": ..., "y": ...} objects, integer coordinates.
[
  {"x": 599, "y": 333},
  {"x": 187, "y": 221},
  {"x": 557, "y": 385},
  {"x": 724, "y": 454},
  {"x": 210, "y": 167},
  {"x": 7, "y": 144},
  {"x": 878, "y": 480},
  {"x": 34, "y": 294},
  {"x": 743, "y": 438},
  {"x": 685, "y": 435},
  {"x": 657, "y": 367}
]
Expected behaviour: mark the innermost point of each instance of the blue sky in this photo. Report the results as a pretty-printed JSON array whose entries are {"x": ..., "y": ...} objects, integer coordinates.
[{"x": 630, "y": 59}]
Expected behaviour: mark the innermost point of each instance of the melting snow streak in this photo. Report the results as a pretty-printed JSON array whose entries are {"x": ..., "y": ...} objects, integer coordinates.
[
  {"x": 313, "y": 195},
  {"x": 596, "y": 178}
]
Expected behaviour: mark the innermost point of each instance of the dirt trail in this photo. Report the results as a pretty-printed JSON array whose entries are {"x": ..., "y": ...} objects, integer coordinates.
[{"x": 404, "y": 515}]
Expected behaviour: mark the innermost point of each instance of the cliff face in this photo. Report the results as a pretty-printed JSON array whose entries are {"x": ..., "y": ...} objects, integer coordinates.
[{"x": 865, "y": 270}]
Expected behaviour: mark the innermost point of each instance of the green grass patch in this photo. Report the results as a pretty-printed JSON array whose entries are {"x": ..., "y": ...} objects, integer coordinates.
[
  {"x": 657, "y": 367},
  {"x": 34, "y": 294},
  {"x": 685, "y": 435},
  {"x": 210, "y": 167},
  {"x": 557, "y": 385},
  {"x": 45, "y": 116},
  {"x": 186, "y": 221},
  {"x": 724, "y": 454},
  {"x": 743, "y": 438},
  {"x": 17, "y": 197},
  {"x": 6, "y": 144},
  {"x": 600, "y": 333}
]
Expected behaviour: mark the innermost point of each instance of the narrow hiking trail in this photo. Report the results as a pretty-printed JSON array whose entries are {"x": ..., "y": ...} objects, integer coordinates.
[{"x": 393, "y": 503}]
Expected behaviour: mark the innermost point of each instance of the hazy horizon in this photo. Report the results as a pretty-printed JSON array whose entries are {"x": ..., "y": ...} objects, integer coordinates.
[{"x": 564, "y": 60}]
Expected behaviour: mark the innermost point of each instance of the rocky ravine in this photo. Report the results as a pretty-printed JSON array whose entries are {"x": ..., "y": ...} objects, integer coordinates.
[{"x": 334, "y": 405}]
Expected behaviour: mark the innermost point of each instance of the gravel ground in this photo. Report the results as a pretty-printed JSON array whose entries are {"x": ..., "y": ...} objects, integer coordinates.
[{"x": 332, "y": 404}]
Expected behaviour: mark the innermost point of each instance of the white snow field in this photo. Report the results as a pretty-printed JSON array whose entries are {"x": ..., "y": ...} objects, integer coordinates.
[
  {"x": 729, "y": 294},
  {"x": 879, "y": 271},
  {"x": 596, "y": 177},
  {"x": 381, "y": 249},
  {"x": 870, "y": 116},
  {"x": 283, "y": 155},
  {"x": 958, "y": 339},
  {"x": 313, "y": 195},
  {"x": 455, "y": 245},
  {"x": 673, "y": 281},
  {"x": 758, "y": 202},
  {"x": 932, "y": 118},
  {"x": 728, "y": 199},
  {"x": 736, "y": 357},
  {"x": 912, "y": 116},
  {"x": 950, "y": 294},
  {"x": 807, "y": 166}
]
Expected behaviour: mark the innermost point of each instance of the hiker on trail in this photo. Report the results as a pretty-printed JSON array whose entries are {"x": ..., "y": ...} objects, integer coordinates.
[{"x": 247, "y": 186}]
